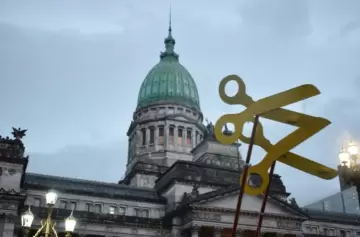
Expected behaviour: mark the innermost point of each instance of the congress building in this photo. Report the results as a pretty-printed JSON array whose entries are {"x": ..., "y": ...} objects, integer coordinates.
[{"x": 179, "y": 180}]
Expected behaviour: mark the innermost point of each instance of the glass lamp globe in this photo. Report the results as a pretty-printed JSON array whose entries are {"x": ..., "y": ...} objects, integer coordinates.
[
  {"x": 51, "y": 197},
  {"x": 353, "y": 149},
  {"x": 70, "y": 223},
  {"x": 27, "y": 219},
  {"x": 344, "y": 156}
]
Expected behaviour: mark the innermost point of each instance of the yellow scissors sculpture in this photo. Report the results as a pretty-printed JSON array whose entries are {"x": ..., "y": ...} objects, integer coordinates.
[{"x": 270, "y": 108}]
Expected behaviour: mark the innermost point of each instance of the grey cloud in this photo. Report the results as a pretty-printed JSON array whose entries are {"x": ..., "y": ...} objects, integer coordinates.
[
  {"x": 350, "y": 27},
  {"x": 85, "y": 162},
  {"x": 285, "y": 19}
]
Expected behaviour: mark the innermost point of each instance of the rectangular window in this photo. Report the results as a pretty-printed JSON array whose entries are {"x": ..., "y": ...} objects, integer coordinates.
[
  {"x": 88, "y": 207},
  {"x": 180, "y": 136},
  {"x": 188, "y": 137},
  {"x": 73, "y": 206},
  {"x": 314, "y": 230},
  {"x": 152, "y": 136},
  {"x": 37, "y": 202},
  {"x": 171, "y": 135},
  {"x": 143, "y": 136},
  {"x": 63, "y": 204},
  {"x": 97, "y": 208},
  {"x": 112, "y": 210},
  {"x": 138, "y": 212},
  {"x": 122, "y": 210},
  {"x": 342, "y": 233},
  {"x": 326, "y": 231},
  {"x": 142, "y": 213},
  {"x": 161, "y": 136}
]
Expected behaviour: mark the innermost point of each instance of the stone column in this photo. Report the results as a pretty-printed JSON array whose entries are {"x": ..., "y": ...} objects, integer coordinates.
[
  {"x": 166, "y": 136},
  {"x": 147, "y": 137},
  {"x": 175, "y": 230},
  {"x": 193, "y": 138},
  {"x": 176, "y": 137},
  {"x": 9, "y": 227},
  {"x": 156, "y": 137},
  {"x": 184, "y": 133}
]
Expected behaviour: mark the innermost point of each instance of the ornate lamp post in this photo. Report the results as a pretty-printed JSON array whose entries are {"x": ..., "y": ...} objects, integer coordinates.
[
  {"x": 47, "y": 225},
  {"x": 349, "y": 168}
]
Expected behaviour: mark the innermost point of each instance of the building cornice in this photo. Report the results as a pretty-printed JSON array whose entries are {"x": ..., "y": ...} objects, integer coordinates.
[{"x": 97, "y": 218}]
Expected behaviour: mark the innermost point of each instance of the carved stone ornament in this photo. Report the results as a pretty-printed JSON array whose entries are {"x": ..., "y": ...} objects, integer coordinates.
[
  {"x": 11, "y": 172},
  {"x": 207, "y": 216},
  {"x": 288, "y": 225}
]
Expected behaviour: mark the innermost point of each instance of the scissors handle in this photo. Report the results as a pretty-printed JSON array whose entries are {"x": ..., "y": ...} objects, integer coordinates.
[{"x": 240, "y": 97}]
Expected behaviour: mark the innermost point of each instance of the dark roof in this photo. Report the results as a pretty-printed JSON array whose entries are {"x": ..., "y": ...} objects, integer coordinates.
[
  {"x": 188, "y": 171},
  {"x": 91, "y": 188},
  {"x": 144, "y": 166},
  {"x": 333, "y": 217}
]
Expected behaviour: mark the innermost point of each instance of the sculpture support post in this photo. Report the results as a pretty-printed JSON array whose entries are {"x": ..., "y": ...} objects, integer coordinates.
[
  {"x": 245, "y": 171},
  {"x": 263, "y": 206}
]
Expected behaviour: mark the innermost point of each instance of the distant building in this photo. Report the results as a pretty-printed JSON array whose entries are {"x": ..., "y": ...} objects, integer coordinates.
[
  {"x": 179, "y": 181},
  {"x": 345, "y": 201}
]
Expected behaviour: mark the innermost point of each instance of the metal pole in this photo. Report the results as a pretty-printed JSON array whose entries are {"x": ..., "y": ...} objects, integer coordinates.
[
  {"x": 245, "y": 171},
  {"x": 25, "y": 231},
  {"x": 266, "y": 195},
  {"x": 48, "y": 221}
]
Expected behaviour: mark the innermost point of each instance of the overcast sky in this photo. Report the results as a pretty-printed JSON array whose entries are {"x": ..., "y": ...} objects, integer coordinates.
[{"x": 70, "y": 72}]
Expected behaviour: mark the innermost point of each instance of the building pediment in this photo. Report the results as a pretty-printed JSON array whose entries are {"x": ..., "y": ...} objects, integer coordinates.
[
  {"x": 225, "y": 200},
  {"x": 249, "y": 204}
]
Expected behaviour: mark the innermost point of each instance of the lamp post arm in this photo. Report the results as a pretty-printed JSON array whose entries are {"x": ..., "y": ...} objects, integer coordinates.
[
  {"x": 39, "y": 230},
  {"x": 48, "y": 222},
  {"x": 358, "y": 193},
  {"x": 54, "y": 231}
]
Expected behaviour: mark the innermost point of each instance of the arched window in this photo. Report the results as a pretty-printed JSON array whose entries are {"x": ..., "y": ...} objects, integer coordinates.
[
  {"x": 188, "y": 137},
  {"x": 152, "y": 136},
  {"x": 180, "y": 136},
  {"x": 171, "y": 135},
  {"x": 161, "y": 135},
  {"x": 143, "y": 136}
]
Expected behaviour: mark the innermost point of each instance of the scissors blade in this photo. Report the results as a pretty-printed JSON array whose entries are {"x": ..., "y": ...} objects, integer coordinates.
[
  {"x": 308, "y": 166},
  {"x": 289, "y": 117},
  {"x": 282, "y": 99}
]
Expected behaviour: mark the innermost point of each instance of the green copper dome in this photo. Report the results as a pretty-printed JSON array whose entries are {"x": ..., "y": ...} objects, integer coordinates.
[{"x": 168, "y": 81}]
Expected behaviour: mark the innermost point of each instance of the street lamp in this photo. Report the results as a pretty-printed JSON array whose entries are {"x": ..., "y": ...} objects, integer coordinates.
[
  {"x": 47, "y": 226},
  {"x": 349, "y": 168}
]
